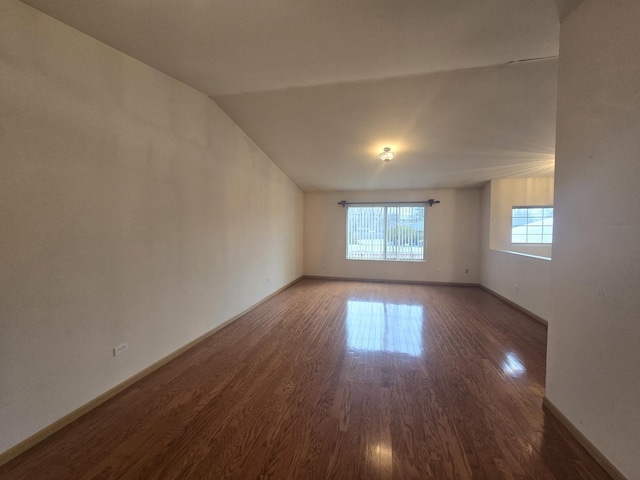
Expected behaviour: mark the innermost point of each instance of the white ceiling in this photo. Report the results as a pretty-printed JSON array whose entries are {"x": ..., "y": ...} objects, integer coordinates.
[{"x": 322, "y": 85}]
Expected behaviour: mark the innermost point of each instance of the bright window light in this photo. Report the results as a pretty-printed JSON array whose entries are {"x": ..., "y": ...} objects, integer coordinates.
[
  {"x": 386, "y": 232},
  {"x": 532, "y": 225}
]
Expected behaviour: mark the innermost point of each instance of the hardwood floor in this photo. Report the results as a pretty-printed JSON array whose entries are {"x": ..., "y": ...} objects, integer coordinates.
[{"x": 335, "y": 380}]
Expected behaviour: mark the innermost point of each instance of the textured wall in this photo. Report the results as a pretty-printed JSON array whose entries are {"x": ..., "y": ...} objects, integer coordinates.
[
  {"x": 522, "y": 279},
  {"x": 594, "y": 346},
  {"x": 132, "y": 210},
  {"x": 511, "y": 192},
  {"x": 453, "y": 239}
]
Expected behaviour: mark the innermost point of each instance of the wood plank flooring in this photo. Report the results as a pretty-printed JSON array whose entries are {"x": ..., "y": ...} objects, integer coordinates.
[{"x": 335, "y": 380}]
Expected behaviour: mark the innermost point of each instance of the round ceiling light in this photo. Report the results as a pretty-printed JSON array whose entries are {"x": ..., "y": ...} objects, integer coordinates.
[{"x": 386, "y": 154}]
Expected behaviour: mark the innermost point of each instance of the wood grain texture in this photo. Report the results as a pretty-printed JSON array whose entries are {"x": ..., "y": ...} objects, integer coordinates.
[
  {"x": 335, "y": 380},
  {"x": 67, "y": 419},
  {"x": 516, "y": 306},
  {"x": 597, "y": 455}
]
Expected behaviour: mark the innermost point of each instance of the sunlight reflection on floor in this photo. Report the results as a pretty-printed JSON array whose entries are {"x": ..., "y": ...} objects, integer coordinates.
[{"x": 384, "y": 327}]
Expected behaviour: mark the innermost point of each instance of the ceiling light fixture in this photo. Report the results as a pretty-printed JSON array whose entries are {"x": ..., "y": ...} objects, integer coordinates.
[{"x": 386, "y": 154}]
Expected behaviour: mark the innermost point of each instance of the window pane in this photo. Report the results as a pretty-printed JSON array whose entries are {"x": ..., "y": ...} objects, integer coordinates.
[
  {"x": 535, "y": 212},
  {"x": 534, "y": 238},
  {"x": 365, "y": 231},
  {"x": 405, "y": 232},
  {"x": 530, "y": 224},
  {"x": 401, "y": 237}
]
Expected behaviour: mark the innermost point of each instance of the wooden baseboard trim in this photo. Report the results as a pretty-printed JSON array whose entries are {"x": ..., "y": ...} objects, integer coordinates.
[
  {"x": 582, "y": 440},
  {"x": 529, "y": 313},
  {"x": 378, "y": 280},
  {"x": 49, "y": 430}
]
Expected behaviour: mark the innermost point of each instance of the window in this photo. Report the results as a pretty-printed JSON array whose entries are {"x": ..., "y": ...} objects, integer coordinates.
[
  {"x": 532, "y": 225},
  {"x": 385, "y": 232}
]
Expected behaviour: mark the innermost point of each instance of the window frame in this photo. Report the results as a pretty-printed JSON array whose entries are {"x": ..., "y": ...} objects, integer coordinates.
[
  {"x": 527, "y": 234},
  {"x": 386, "y": 206}
]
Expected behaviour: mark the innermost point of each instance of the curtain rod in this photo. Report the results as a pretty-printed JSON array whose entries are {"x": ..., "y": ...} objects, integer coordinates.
[{"x": 429, "y": 202}]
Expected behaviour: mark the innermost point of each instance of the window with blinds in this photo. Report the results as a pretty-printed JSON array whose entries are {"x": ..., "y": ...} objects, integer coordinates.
[{"x": 386, "y": 232}]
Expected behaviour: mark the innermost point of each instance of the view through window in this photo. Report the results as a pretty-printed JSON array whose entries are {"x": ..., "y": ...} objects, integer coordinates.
[
  {"x": 386, "y": 232},
  {"x": 532, "y": 225}
]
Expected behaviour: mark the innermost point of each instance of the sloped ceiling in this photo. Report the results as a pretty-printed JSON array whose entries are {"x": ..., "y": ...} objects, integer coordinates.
[
  {"x": 462, "y": 90},
  {"x": 565, "y": 7}
]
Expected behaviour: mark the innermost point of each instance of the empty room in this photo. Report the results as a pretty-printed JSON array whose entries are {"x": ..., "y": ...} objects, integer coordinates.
[{"x": 320, "y": 240}]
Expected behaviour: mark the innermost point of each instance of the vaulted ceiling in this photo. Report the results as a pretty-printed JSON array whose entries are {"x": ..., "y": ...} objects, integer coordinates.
[{"x": 463, "y": 91}]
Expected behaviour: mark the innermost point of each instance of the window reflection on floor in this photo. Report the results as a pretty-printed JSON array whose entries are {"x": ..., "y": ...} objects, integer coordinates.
[
  {"x": 512, "y": 365},
  {"x": 388, "y": 327}
]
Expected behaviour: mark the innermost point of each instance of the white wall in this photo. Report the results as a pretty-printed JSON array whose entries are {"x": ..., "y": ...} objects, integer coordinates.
[
  {"x": 593, "y": 364},
  {"x": 453, "y": 240},
  {"x": 521, "y": 279},
  {"x": 512, "y": 192},
  {"x": 132, "y": 210}
]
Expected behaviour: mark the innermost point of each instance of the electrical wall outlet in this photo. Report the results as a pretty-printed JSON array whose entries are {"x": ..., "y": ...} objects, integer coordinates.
[{"x": 123, "y": 347}]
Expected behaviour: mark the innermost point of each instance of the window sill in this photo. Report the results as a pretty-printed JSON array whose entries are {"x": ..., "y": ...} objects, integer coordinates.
[{"x": 539, "y": 257}]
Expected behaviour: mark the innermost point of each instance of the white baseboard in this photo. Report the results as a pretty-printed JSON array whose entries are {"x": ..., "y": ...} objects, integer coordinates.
[
  {"x": 582, "y": 440},
  {"x": 49, "y": 430}
]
